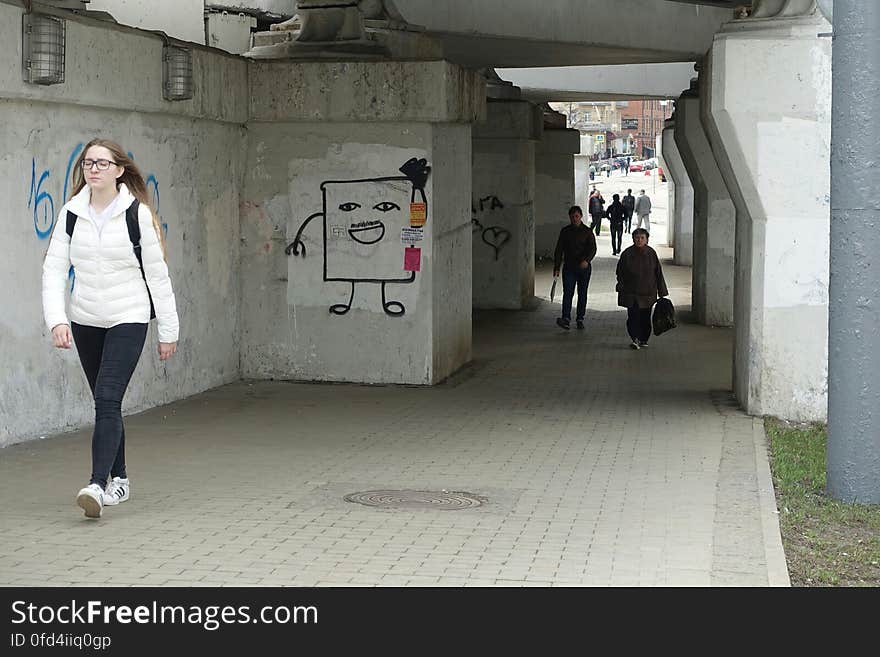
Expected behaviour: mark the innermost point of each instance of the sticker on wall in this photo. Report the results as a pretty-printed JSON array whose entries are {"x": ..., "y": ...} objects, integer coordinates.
[
  {"x": 418, "y": 214},
  {"x": 412, "y": 258},
  {"x": 410, "y": 235}
]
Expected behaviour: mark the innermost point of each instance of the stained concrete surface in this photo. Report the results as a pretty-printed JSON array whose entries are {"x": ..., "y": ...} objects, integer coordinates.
[{"x": 601, "y": 466}]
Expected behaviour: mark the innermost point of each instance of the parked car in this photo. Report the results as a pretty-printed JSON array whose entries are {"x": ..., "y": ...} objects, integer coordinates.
[{"x": 636, "y": 166}]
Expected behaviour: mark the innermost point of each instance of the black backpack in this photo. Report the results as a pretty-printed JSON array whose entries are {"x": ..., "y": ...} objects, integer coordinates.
[
  {"x": 664, "y": 316},
  {"x": 134, "y": 234}
]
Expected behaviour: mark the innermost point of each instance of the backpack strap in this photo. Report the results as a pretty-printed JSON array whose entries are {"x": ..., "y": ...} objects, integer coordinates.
[
  {"x": 71, "y": 223},
  {"x": 134, "y": 234}
]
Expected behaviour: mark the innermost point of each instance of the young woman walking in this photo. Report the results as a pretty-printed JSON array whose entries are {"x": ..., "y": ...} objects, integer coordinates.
[{"x": 112, "y": 299}]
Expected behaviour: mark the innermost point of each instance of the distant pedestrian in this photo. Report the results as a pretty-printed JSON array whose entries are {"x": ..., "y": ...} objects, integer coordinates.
[
  {"x": 592, "y": 172},
  {"x": 626, "y": 165},
  {"x": 639, "y": 283},
  {"x": 643, "y": 210},
  {"x": 608, "y": 171},
  {"x": 577, "y": 247},
  {"x": 596, "y": 208},
  {"x": 629, "y": 204},
  {"x": 616, "y": 216}
]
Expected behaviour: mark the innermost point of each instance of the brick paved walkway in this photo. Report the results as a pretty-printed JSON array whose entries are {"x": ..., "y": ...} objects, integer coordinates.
[{"x": 601, "y": 466}]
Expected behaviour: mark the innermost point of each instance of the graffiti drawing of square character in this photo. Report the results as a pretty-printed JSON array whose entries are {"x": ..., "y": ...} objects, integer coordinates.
[{"x": 362, "y": 219}]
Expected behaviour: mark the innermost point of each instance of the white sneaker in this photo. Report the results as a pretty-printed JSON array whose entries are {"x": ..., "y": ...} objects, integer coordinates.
[
  {"x": 91, "y": 500},
  {"x": 117, "y": 491},
  {"x": 634, "y": 345}
]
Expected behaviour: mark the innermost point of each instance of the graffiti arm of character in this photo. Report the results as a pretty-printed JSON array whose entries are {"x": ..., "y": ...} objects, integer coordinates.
[{"x": 362, "y": 219}]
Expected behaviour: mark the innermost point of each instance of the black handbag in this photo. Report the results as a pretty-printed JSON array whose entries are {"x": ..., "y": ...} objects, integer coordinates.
[{"x": 664, "y": 316}]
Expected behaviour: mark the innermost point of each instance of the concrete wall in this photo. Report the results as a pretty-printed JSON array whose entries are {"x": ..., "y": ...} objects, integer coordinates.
[
  {"x": 782, "y": 203},
  {"x": 554, "y": 186},
  {"x": 503, "y": 204},
  {"x": 181, "y": 19},
  {"x": 191, "y": 151},
  {"x": 322, "y": 153}
]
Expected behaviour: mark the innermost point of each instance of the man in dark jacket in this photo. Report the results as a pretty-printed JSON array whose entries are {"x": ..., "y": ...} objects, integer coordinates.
[
  {"x": 629, "y": 204},
  {"x": 616, "y": 216},
  {"x": 639, "y": 282},
  {"x": 577, "y": 245},
  {"x": 596, "y": 208}
]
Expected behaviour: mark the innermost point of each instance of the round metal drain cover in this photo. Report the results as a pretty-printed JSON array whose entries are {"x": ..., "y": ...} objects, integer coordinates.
[{"x": 416, "y": 499}]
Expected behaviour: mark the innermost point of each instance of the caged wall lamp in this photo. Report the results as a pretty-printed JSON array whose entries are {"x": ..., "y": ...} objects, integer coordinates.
[
  {"x": 42, "y": 49},
  {"x": 177, "y": 73}
]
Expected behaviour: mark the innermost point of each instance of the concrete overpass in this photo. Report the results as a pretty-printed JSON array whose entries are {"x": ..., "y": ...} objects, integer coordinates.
[{"x": 339, "y": 108}]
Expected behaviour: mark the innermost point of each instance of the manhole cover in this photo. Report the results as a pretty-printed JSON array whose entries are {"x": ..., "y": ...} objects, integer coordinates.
[{"x": 416, "y": 499}]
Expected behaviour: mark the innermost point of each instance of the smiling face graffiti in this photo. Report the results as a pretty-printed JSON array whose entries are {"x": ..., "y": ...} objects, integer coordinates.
[{"x": 363, "y": 219}]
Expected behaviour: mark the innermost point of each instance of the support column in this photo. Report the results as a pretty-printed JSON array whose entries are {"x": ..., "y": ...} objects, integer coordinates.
[
  {"x": 770, "y": 112},
  {"x": 504, "y": 204},
  {"x": 670, "y": 194},
  {"x": 356, "y": 225},
  {"x": 714, "y": 216},
  {"x": 554, "y": 183},
  {"x": 854, "y": 311},
  {"x": 681, "y": 216}
]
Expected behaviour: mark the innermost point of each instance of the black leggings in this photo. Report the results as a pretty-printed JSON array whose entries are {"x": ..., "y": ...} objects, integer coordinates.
[
  {"x": 108, "y": 358},
  {"x": 638, "y": 323}
]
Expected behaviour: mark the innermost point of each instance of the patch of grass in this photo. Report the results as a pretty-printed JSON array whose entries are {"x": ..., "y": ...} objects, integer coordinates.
[{"x": 827, "y": 543}]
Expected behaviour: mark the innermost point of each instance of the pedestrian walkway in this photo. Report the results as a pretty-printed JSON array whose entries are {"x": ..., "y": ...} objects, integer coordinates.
[{"x": 596, "y": 465}]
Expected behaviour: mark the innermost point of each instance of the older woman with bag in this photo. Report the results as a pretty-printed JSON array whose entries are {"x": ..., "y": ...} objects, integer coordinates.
[{"x": 639, "y": 284}]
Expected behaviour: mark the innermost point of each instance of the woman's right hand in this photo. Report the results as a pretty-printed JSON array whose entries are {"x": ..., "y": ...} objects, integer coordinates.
[{"x": 61, "y": 336}]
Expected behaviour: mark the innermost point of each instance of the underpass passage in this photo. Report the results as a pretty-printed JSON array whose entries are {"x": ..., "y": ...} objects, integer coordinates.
[{"x": 593, "y": 464}]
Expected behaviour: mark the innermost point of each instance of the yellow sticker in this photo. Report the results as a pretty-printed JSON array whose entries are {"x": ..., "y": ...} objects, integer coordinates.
[{"x": 418, "y": 214}]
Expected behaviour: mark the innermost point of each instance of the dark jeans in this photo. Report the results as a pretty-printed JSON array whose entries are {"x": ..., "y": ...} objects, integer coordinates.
[
  {"x": 596, "y": 224},
  {"x": 638, "y": 323},
  {"x": 108, "y": 358},
  {"x": 572, "y": 277},
  {"x": 616, "y": 236},
  {"x": 629, "y": 221}
]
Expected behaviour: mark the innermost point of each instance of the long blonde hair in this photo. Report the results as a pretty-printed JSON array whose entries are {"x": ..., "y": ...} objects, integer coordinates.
[{"x": 131, "y": 176}]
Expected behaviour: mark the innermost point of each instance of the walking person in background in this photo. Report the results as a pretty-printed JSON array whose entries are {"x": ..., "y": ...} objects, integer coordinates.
[
  {"x": 639, "y": 283},
  {"x": 629, "y": 205},
  {"x": 643, "y": 210},
  {"x": 577, "y": 247},
  {"x": 596, "y": 208},
  {"x": 120, "y": 278},
  {"x": 616, "y": 216}
]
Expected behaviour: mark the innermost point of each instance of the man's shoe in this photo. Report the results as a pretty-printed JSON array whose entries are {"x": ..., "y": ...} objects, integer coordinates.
[
  {"x": 91, "y": 500},
  {"x": 563, "y": 323},
  {"x": 634, "y": 345},
  {"x": 643, "y": 345},
  {"x": 117, "y": 491},
  {"x": 580, "y": 324}
]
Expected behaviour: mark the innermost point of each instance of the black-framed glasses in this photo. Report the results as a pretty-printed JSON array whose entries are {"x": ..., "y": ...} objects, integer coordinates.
[{"x": 102, "y": 165}]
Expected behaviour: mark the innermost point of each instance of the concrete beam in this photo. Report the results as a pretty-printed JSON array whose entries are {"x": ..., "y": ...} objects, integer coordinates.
[
  {"x": 682, "y": 217},
  {"x": 583, "y": 83},
  {"x": 518, "y": 33}
]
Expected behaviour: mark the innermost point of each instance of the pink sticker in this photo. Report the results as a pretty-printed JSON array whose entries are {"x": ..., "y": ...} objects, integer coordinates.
[{"x": 412, "y": 258}]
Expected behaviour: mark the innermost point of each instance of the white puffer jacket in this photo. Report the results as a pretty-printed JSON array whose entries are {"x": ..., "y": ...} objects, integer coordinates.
[{"x": 108, "y": 289}]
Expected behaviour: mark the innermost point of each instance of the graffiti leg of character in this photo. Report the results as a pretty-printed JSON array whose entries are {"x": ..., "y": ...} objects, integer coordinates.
[{"x": 362, "y": 221}]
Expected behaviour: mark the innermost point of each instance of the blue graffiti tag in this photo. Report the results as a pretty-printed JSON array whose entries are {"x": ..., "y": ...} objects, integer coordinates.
[
  {"x": 73, "y": 155},
  {"x": 43, "y": 203}
]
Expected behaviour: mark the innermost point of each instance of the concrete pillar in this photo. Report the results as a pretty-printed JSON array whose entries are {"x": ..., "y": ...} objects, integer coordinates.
[
  {"x": 714, "y": 217},
  {"x": 503, "y": 204},
  {"x": 356, "y": 221},
  {"x": 554, "y": 186},
  {"x": 770, "y": 118},
  {"x": 681, "y": 216},
  {"x": 854, "y": 322},
  {"x": 670, "y": 194}
]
